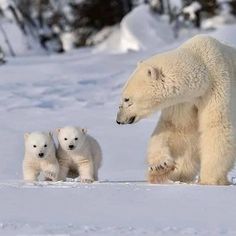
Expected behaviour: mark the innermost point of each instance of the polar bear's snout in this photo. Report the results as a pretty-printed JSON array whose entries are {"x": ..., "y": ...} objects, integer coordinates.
[
  {"x": 41, "y": 155},
  {"x": 121, "y": 119},
  {"x": 71, "y": 147},
  {"x": 118, "y": 119}
]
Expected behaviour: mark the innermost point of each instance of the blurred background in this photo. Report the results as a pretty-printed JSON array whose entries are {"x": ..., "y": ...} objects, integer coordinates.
[{"x": 48, "y": 26}]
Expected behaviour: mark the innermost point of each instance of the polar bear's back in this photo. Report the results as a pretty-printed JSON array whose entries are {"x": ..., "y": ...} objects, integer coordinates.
[{"x": 211, "y": 51}]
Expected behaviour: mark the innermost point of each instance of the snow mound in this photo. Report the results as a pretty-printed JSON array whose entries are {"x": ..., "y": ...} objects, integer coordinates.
[
  {"x": 139, "y": 30},
  {"x": 225, "y": 34}
]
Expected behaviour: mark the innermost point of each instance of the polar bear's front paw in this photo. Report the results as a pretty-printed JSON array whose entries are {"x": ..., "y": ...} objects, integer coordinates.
[
  {"x": 163, "y": 167},
  {"x": 50, "y": 176},
  {"x": 158, "y": 172},
  {"x": 86, "y": 181}
]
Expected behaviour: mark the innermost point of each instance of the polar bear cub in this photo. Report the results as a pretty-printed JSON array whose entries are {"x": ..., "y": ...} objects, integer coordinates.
[
  {"x": 40, "y": 157},
  {"x": 78, "y": 152}
]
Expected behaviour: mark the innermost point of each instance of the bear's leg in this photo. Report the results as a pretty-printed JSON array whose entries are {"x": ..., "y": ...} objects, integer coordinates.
[
  {"x": 63, "y": 172},
  {"x": 95, "y": 174},
  {"x": 64, "y": 167},
  {"x": 96, "y": 165},
  {"x": 159, "y": 159},
  {"x": 51, "y": 171},
  {"x": 97, "y": 161},
  {"x": 30, "y": 173},
  {"x": 86, "y": 171},
  {"x": 187, "y": 165},
  {"x": 173, "y": 148},
  {"x": 216, "y": 142}
]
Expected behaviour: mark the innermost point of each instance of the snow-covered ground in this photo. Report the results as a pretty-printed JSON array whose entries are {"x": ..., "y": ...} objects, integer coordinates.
[
  {"x": 117, "y": 209},
  {"x": 83, "y": 88}
]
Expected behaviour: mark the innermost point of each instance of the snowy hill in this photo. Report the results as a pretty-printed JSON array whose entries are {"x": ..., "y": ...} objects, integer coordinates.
[{"x": 83, "y": 88}]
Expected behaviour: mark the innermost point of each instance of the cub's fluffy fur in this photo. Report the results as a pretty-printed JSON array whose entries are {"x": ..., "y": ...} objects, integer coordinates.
[
  {"x": 40, "y": 157},
  {"x": 78, "y": 153}
]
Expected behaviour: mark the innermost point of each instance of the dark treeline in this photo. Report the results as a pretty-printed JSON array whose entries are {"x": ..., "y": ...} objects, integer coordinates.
[{"x": 47, "y": 21}]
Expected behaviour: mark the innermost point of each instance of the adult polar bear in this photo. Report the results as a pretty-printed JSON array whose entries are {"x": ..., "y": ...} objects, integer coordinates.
[{"x": 195, "y": 87}]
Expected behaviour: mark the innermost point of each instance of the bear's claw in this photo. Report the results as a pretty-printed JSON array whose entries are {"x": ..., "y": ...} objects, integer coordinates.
[
  {"x": 163, "y": 167},
  {"x": 87, "y": 181},
  {"x": 50, "y": 175}
]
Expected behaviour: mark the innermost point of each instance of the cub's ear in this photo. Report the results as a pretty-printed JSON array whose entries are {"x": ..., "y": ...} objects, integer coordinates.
[
  {"x": 26, "y": 135},
  {"x": 58, "y": 130},
  {"x": 153, "y": 72},
  {"x": 139, "y": 62},
  {"x": 50, "y": 134},
  {"x": 84, "y": 130}
]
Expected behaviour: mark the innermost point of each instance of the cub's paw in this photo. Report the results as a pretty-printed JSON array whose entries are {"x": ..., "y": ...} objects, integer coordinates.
[
  {"x": 50, "y": 176},
  {"x": 158, "y": 172},
  {"x": 86, "y": 181}
]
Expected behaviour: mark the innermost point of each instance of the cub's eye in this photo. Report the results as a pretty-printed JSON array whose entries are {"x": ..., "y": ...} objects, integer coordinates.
[
  {"x": 76, "y": 138},
  {"x": 65, "y": 138},
  {"x": 126, "y": 99},
  {"x": 34, "y": 146},
  {"x": 45, "y": 145}
]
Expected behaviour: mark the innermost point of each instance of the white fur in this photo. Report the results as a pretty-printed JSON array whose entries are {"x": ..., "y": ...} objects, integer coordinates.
[
  {"x": 33, "y": 164},
  {"x": 194, "y": 86},
  {"x": 85, "y": 158}
]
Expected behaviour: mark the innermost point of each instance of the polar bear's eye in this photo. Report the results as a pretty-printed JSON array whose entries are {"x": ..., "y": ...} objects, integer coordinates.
[
  {"x": 149, "y": 73},
  {"x": 76, "y": 138},
  {"x": 45, "y": 145},
  {"x": 34, "y": 146},
  {"x": 126, "y": 99},
  {"x": 65, "y": 138}
]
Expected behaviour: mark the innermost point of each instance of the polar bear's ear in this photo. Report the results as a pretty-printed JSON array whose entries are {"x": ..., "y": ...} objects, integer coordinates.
[
  {"x": 84, "y": 130},
  {"x": 153, "y": 73},
  {"x": 26, "y": 135}
]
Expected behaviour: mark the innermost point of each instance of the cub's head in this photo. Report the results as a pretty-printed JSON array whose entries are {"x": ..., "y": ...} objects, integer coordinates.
[
  {"x": 151, "y": 88},
  {"x": 39, "y": 144},
  {"x": 71, "y": 138}
]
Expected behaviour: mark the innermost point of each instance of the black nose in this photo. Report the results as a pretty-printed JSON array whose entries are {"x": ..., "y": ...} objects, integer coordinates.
[
  {"x": 41, "y": 154},
  {"x": 71, "y": 146},
  {"x": 118, "y": 122}
]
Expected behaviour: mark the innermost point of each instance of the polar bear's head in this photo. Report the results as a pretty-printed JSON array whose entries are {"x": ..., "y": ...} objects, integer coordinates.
[
  {"x": 151, "y": 88},
  {"x": 39, "y": 144},
  {"x": 71, "y": 138}
]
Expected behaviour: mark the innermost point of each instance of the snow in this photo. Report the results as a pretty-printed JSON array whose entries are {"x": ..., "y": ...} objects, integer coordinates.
[
  {"x": 16, "y": 38},
  {"x": 219, "y": 20},
  {"x": 120, "y": 209},
  {"x": 139, "y": 30},
  {"x": 68, "y": 40},
  {"x": 226, "y": 34},
  {"x": 4, "y": 4},
  {"x": 83, "y": 88}
]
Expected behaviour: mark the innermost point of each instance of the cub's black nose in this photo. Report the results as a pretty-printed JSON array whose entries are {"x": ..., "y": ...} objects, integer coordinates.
[
  {"x": 71, "y": 147},
  {"x": 41, "y": 154},
  {"x": 118, "y": 122}
]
